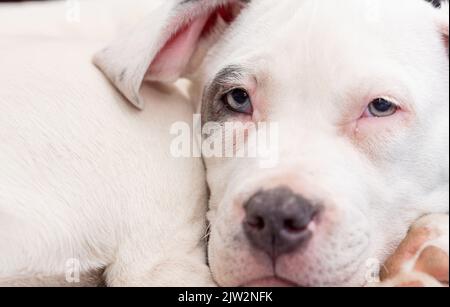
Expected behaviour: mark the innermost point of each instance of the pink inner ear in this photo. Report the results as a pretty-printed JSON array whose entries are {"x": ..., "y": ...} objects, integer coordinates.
[
  {"x": 445, "y": 39},
  {"x": 174, "y": 57}
]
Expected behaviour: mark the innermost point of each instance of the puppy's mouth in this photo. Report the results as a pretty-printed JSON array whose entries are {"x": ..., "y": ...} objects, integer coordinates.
[{"x": 271, "y": 281}]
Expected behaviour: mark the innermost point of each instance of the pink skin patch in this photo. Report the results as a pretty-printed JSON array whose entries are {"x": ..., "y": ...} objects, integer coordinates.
[
  {"x": 174, "y": 57},
  {"x": 368, "y": 123},
  {"x": 225, "y": 12},
  {"x": 361, "y": 125}
]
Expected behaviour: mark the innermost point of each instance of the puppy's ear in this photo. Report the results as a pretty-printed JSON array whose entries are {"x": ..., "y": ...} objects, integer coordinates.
[{"x": 168, "y": 44}]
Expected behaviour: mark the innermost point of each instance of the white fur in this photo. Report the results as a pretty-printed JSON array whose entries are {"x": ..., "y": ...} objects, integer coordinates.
[
  {"x": 318, "y": 63},
  {"x": 84, "y": 175},
  {"x": 373, "y": 184}
]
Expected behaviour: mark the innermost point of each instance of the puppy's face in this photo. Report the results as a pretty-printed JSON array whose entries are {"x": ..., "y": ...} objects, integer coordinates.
[
  {"x": 362, "y": 107},
  {"x": 359, "y": 92}
]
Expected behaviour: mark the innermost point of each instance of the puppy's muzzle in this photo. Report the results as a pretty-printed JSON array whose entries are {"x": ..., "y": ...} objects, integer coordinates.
[{"x": 278, "y": 221}]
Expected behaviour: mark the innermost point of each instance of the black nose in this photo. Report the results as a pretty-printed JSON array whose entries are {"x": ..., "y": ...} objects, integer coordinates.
[{"x": 277, "y": 221}]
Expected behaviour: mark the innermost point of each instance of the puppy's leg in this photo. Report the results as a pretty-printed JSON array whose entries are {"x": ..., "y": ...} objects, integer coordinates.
[
  {"x": 423, "y": 257},
  {"x": 177, "y": 269},
  {"x": 176, "y": 256},
  {"x": 168, "y": 273}
]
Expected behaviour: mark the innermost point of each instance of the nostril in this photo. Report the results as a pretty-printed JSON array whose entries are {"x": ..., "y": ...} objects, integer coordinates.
[
  {"x": 279, "y": 221},
  {"x": 291, "y": 225},
  {"x": 256, "y": 222}
]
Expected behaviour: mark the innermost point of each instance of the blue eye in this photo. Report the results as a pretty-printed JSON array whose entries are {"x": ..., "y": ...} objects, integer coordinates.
[
  {"x": 238, "y": 100},
  {"x": 381, "y": 107}
]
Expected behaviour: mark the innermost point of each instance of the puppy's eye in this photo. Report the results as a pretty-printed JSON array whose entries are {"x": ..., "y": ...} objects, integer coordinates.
[
  {"x": 238, "y": 100},
  {"x": 381, "y": 107}
]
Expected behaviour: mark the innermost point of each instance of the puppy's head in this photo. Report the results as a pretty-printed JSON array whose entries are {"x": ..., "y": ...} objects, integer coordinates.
[{"x": 359, "y": 92}]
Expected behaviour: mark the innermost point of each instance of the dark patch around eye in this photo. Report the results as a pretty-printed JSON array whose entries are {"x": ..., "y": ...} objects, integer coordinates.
[
  {"x": 435, "y": 3},
  {"x": 122, "y": 75},
  {"x": 213, "y": 108}
]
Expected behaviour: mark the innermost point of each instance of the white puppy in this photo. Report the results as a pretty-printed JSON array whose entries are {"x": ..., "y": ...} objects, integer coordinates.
[
  {"x": 87, "y": 184},
  {"x": 360, "y": 91}
]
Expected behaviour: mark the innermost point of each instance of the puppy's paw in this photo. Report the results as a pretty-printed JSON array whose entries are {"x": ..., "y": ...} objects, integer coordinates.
[{"x": 422, "y": 259}]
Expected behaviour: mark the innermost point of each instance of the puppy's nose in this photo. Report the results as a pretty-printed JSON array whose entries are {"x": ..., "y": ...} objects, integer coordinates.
[{"x": 277, "y": 221}]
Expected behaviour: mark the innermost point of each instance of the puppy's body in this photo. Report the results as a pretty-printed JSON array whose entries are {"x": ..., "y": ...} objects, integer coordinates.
[
  {"x": 346, "y": 190},
  {"x": 87, "y": 183},
  {"x": 360, "y": 92}
]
